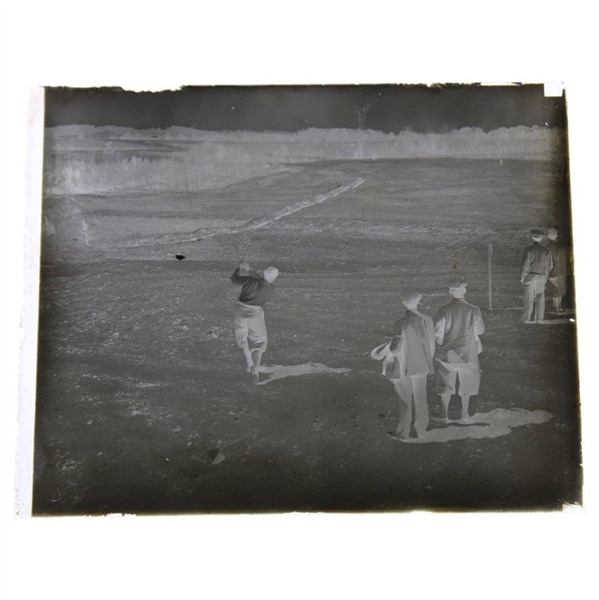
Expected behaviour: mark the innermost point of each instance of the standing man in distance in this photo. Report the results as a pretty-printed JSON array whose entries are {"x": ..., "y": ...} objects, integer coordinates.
[
  {"x": 250, "y": 328},
  {"x": 535, "y": 269},
  {"x": 458, "y": 326},
  {"x": 558, "y": 284}
]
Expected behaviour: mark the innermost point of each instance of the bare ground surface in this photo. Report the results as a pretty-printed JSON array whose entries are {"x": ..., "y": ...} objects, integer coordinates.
[{"x": 144, "y": 404}]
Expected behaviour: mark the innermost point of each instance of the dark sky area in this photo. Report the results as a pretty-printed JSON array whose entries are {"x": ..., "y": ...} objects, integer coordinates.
[{"x": 390, "y": 108}]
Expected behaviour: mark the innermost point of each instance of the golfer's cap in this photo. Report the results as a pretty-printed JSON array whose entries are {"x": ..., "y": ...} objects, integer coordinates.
[
  {"x": 457, "y": 281},
  {"x": 271, "y": 273},
  {"x": 537, "y": 233}
]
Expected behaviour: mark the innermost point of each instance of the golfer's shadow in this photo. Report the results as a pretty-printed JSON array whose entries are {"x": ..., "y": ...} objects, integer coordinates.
[{"x": 282, "y": 371}]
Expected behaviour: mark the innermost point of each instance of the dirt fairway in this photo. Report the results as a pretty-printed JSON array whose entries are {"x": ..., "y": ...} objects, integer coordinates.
[{"x": 143, "y": 402}]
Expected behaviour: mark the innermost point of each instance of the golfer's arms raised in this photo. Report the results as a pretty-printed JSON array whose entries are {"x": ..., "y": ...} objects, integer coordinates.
[{"x": 242, "y": 273}]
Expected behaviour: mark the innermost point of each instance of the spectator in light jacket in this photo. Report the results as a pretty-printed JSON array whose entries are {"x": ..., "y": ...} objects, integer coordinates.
[{"x": 458, "y": 326}]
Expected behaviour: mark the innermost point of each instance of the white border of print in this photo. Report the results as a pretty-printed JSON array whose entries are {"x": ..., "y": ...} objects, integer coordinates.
[{"x": 159, "y": 45}]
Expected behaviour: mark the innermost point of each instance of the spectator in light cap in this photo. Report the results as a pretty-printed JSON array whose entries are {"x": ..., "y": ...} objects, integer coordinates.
[
  {"x": 458, "y": 326},
  {"x": 414, "y": 345},
  {"x": 535, "y": 268}
]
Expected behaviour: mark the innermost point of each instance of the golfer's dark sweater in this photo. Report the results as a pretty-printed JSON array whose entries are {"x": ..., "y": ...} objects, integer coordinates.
[{"x": 256, "y": 291}]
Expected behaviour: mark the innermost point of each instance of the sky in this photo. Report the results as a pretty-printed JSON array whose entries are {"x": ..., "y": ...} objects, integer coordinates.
[{"x": 387, "y": 108}]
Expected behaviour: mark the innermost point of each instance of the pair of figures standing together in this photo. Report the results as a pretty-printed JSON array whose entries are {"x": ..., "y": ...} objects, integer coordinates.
[
  {"x": 542, "y": 265},
  {"x": 447, "y": 347}
]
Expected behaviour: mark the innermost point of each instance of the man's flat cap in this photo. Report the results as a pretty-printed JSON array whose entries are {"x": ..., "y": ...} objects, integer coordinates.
[{"x": 537, "y": 232}]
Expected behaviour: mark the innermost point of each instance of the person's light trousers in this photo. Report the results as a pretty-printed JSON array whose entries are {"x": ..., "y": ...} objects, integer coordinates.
[
  {"x": 534, "y": 298},
  {"x": 412, "y": 392}
]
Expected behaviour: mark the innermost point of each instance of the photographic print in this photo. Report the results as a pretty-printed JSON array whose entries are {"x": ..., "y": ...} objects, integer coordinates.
[{"x": 306, "y": 298}]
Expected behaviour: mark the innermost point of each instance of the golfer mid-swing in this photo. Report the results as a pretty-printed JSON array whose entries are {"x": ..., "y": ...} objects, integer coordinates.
[{"x": 250, "y": 328}]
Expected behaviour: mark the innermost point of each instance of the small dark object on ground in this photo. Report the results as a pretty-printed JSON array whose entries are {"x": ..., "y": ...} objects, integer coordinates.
[{"x": 216, "y": 456}]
